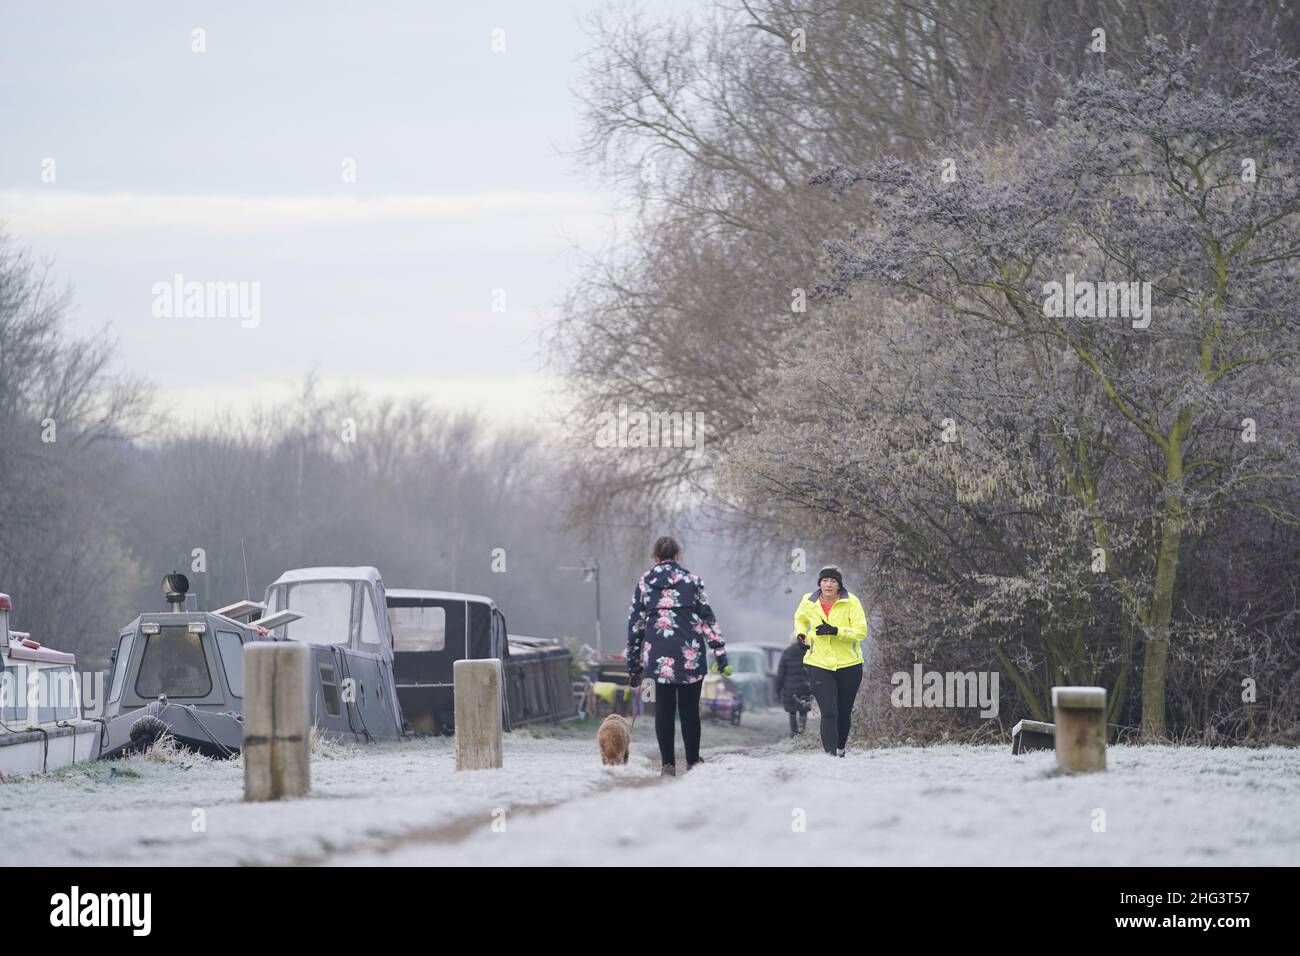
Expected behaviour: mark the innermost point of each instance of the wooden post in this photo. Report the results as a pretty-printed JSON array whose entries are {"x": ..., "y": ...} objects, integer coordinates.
[
  {"x": 1080, "y": 728},
  {"x": 478, "y": 713},
  {"x": 277, "y": 720}
]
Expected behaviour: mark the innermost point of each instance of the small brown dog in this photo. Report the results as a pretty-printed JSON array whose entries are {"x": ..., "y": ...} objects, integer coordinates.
[{"x": 614, "y": 737}]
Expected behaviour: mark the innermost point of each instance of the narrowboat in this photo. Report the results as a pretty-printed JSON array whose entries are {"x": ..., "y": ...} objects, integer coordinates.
[
  {"x": 41, "y": 723},
  {"x": 181, "y": 672},
  {"x": 434, "y": 629}
]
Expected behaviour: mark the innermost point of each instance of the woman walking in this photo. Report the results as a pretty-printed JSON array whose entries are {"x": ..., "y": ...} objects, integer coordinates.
[
  {"x": 831, "y": 622},
  {"x": 792, "y": 687},
  {"x": 667, "y": 629}
]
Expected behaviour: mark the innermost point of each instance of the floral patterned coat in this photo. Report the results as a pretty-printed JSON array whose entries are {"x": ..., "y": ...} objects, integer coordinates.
[{"x": 669, "y": 624}]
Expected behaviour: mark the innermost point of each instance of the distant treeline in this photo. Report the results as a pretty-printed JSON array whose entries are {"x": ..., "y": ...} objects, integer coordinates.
[{"x": 100, "y": 495}]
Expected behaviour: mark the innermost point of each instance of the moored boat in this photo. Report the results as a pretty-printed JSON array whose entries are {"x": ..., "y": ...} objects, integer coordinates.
[
  {"x": 181, "y": 673},
  {"x": 41, "y": 723}
]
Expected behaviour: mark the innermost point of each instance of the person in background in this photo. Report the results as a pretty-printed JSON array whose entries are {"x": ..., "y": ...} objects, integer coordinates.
[
  {"x": 668, "y": 626},
  {"x": 792, "y": 687},
  {"x": 831, "y": 622}
]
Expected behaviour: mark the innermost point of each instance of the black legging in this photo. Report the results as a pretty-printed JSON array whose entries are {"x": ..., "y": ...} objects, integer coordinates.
[
  {"x": 835, "y": 692},
  {"x": 667, "y": 697}
]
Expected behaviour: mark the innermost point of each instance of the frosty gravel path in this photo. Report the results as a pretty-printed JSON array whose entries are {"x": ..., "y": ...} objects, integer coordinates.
[
  {"x": 403, "y": 803},
  {"x": 363, "y": 797},
  {"x": 940, "y": 805}
]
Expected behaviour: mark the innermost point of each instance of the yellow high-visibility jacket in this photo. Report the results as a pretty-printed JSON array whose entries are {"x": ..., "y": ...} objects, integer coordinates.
[{"x": 832, "y": 651}]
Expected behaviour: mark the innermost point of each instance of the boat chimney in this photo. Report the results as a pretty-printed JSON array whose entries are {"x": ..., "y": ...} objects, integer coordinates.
[{"x": 175, "y": 586}]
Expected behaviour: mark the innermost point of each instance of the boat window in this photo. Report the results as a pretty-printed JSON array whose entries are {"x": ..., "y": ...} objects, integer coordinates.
[
  {"x": 369, "y": 624},
  {"x": 418, "y": 628},
  {"x": 119, "y": 666},
  {"x": 173, "y": 663},
  {"x": 326, "y": 607},
  {"x": 231, "y": 649},
  {"x": 330, "y": 690},
  {"x": 57, "y": 695},
  {"x": 501, "y": 637},
  {"x": 13, "y": 694}
]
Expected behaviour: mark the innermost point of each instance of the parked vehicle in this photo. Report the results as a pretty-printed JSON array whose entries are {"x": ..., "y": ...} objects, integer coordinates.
[
  {"x": 41, "y": 724},
  {"x": 750, "y": 674},
  {"x": 772, "y": 661},
  {"x": 720, "y": 699}
]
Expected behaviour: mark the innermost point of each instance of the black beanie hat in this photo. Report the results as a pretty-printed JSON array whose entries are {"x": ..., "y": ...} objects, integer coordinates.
[{"x": 831, "y": 571}]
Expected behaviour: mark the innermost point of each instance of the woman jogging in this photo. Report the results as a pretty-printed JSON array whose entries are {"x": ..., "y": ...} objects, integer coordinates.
[
  {"x": 831, "y": 622},
  {"x": 667, "y": 628}
]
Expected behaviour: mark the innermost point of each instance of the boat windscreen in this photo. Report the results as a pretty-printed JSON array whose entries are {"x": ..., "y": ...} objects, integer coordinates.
[
  {"x": 173, "y": 663},
  {"x": 56, "y": 695},
  {"x": 418, "y": 628},
  {"x": 13, "y": 694},
  {"x": 119, "y": 665},
  {"x": 231, "y": 649},
  {"x": 326, "y": 607}
]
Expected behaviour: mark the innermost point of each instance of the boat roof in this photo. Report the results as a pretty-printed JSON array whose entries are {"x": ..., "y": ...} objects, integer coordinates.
[
  {"x": 18, "y": 651},
  {"x": 361, "y": 573},
  {"x": 528, "y": 639},
  {"x": 420, "y": 593}
]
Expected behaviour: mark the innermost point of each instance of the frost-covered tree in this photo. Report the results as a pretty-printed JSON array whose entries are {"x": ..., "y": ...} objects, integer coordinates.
[
  {"x": 711, "y": 123},
  {"x": 1085, "y": 448},
  {"x": 64, "y": 413}
]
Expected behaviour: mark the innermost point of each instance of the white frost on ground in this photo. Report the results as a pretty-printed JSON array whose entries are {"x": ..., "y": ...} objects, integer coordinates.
[{"x": 403, "y": 803}]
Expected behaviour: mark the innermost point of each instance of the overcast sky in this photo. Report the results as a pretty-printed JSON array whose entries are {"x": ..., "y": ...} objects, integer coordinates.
[{"x": 228, "y": 165}]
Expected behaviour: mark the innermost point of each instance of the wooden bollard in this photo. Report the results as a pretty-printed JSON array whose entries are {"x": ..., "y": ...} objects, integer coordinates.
[
  {"x": 277, "y": 720},
  {"x": 478, "y": 713},
  {"x": 1080, "y": 728}
]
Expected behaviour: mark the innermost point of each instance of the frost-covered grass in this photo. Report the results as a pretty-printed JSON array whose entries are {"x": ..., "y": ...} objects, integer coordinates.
[
  {"x": 939, "y": 805},
  {"x": 146, "y": 810},
  {"x": 758, "y": 799}
]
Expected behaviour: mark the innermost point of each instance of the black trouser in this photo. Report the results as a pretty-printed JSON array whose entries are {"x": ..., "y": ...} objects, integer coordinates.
[
  {"x": 667, "y": 699},
  {"x": 835, "y": 692},
  {"x": 797, "y": 706}
]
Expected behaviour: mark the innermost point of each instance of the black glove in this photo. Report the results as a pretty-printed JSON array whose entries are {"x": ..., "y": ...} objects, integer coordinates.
[
  {"x": 634, "y": 677},
  {"x": 721, "y": 661},
  {"x": 825, "y": 628}
]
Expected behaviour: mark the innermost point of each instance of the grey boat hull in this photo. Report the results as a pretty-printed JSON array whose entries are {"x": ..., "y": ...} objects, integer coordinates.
[{"x": 213, "y": 734}]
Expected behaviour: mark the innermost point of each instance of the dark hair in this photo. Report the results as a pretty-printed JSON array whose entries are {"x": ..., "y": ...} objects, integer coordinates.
[{"x": 666, "y": 549}]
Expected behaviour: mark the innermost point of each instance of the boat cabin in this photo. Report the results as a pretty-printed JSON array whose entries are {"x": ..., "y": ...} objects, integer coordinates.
[{"x": 41, "y": 725}]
